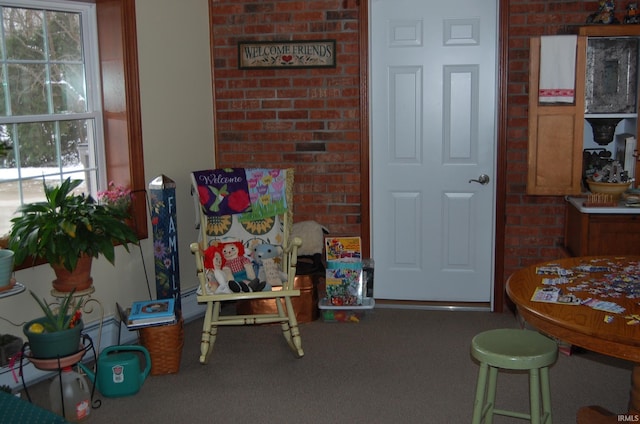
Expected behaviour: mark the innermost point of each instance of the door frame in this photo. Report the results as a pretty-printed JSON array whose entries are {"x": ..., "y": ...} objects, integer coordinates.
[{"x": 501, "y": 128}]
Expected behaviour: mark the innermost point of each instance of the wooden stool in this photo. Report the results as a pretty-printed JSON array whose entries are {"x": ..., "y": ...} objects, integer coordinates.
[{"x": 515, "y": 350}]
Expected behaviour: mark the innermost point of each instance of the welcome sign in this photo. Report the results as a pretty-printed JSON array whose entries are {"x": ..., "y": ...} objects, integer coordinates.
[{"x": 287, "y": 54}]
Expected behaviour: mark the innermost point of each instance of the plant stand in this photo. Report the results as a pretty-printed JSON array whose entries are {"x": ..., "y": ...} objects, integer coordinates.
[{"x": 57, "y": 364}]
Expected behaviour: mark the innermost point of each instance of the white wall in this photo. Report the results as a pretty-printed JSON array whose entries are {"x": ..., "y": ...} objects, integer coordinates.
[{"x": 177, "y": 122}]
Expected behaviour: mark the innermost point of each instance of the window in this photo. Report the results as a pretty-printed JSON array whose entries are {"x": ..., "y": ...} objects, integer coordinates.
[
  {"x": 50, "y": 114},
  {"x": 74, "y": 125}
]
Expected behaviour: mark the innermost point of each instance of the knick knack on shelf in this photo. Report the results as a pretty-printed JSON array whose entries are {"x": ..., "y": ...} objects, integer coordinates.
[
  {"x": 632, "y": 15},
  {"x": 605, "y": 13}
]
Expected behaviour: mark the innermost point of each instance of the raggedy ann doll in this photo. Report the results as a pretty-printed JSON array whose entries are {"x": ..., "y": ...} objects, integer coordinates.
[
  {"x": 239, "y": 269},
  {"x": 217, "y": 282}
]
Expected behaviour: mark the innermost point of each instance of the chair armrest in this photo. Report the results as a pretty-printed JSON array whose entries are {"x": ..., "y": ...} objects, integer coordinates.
[
  {"x": 290, "y": 260},
  {"x": 199, "y": 258}
]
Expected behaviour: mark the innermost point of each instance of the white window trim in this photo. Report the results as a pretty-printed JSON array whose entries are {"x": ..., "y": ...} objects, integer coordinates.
[{"x": 89, "y": 21}]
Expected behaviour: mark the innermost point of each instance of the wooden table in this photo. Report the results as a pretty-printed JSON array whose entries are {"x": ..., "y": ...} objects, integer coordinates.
[{"x": 584, "y": 326}]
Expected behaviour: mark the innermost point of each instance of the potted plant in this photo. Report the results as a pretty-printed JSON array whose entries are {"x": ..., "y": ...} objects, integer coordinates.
[
  {"x": 57, "y": 333},
  {"x": 116, "y": 197},
  {"x": 68, "y": 230}
]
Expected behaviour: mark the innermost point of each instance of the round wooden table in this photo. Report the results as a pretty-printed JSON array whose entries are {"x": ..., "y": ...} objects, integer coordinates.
[{"x": 599, "y": 331}]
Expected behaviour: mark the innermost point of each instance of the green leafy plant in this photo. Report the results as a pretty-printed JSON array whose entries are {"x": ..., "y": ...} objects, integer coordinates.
[
  {"x": 67, "y": 225},
  {"x": 5, "y": 148},
  {"x": 60, "y": 318}
]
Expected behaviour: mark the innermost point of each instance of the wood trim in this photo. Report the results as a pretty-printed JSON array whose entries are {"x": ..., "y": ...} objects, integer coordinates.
[
  {"x": 365, "y": 188},
  {"x": 117, "y": 39},
  {"x": 609, "y": 30},
  {"x": 499, "y": 297}
]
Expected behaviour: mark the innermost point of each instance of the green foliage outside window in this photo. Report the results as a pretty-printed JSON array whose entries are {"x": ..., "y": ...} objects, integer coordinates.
[{"x": 43, "y": 77}]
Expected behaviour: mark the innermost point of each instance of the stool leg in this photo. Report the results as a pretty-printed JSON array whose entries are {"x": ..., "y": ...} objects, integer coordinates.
[
  {"x": 478, "y": 404},
  {"x": 491, "y": 394},
  {"x": 546, "y": 395},
  {"x": 534, "y": 395}
]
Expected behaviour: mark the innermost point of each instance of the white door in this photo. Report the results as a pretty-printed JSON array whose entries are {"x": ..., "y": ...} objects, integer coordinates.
[{"x": 433, "y": 107}]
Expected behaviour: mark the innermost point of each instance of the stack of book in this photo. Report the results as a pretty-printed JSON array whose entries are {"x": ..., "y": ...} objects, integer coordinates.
[
  {"x": 344, "y": 271},
  {"x": 148, "y": 313}
]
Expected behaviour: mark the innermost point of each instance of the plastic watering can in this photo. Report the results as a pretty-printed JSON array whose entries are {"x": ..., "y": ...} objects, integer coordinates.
[{"x": 118, "y": 371}]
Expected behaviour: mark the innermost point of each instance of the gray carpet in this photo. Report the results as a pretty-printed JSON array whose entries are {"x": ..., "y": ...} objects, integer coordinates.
[{"x": 408, "y": 366}]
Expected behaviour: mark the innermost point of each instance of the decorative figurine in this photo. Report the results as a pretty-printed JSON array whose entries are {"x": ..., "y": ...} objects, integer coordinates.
[
  {"x": 605, "y": 14},
  {"x": 633, "y": 14}
]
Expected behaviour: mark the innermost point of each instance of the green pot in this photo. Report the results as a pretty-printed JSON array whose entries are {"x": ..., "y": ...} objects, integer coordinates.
[
  {"x": 53, "y": 345},
  {"x": 6, "y": 267}
]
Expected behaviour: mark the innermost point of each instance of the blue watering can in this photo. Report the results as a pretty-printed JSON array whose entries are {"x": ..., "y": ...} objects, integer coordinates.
[{"x": 118, "y": 370}]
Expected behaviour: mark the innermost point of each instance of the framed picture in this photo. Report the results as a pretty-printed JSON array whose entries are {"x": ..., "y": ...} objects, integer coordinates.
[
  {"x": 612, "y": 73},
  {"x": 287, "y": 54}
]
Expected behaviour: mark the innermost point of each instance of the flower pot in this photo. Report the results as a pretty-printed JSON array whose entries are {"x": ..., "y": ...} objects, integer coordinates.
[
  {"x": 53, "y": 345},
  {"x": 6, "y": 268},
  {"x": 79, "y": 278}
]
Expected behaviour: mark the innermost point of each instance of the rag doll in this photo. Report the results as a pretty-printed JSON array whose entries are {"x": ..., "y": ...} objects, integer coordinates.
[
  {"x": 238, "y": 269},
  {"x": 216, "y": 278}
]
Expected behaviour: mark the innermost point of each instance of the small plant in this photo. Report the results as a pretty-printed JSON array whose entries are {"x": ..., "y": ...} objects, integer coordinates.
[
  {"x": 5, "y": 388},
  {"x": 116, "y": 197},
  {"x": 59, "y": 319}
]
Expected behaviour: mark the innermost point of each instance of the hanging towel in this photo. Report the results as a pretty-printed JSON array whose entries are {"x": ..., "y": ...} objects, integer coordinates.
[{"x": 557, "y": 68}]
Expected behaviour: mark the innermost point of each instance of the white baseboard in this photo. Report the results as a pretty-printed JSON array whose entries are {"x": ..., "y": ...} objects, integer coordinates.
[{"x": 102, "y": 337}]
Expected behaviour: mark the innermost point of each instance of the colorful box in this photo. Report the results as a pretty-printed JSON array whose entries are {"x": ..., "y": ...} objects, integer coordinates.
[{"x": 349, "y": 313}]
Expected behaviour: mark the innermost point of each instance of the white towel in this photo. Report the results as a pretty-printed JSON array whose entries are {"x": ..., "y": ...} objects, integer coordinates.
[{"x": 557, "y": 68}]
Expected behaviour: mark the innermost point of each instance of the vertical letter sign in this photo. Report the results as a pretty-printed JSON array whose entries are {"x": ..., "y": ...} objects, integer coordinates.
[{"x": 162, "y": 191}]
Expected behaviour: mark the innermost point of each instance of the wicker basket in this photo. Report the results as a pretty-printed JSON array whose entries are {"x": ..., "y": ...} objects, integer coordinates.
[{"x": 164, "y": 344}]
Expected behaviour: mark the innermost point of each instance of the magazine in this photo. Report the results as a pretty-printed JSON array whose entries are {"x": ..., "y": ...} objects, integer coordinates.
[
  {"x": 345, "y": 249},
  {"x": 344, "y": 283},
  {"x": 344, "y": 279}
]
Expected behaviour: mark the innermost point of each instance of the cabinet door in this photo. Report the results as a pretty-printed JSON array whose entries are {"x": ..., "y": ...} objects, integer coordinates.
[
  {"x": 614, "y": 235},
  {"x": 555, "y": 133}
]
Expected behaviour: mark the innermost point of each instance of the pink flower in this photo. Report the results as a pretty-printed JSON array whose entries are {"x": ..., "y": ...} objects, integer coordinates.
[{"x": 116, "y": 197}]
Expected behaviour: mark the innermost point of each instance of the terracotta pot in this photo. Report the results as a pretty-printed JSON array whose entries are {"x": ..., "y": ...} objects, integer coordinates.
[{"x": 79, "y": 278}]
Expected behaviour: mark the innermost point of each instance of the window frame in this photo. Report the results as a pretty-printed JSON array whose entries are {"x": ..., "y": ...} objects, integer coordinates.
[{"x": 121, "y": 110}]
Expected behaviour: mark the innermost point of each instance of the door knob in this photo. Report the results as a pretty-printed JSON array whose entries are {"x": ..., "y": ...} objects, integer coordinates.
[{"x": 482, "y": 179}]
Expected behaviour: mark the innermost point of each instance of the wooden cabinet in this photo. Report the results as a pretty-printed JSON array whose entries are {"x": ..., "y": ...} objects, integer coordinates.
[
  {"x": 595, "y": 233},
  {"x": 557, "y": 131}
]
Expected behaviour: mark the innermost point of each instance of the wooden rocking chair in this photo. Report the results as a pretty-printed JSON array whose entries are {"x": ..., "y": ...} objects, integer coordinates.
[{"x": 213, "y": 191}]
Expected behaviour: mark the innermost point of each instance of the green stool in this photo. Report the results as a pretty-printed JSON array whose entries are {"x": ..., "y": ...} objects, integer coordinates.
[{"x": 515, "y": 350}]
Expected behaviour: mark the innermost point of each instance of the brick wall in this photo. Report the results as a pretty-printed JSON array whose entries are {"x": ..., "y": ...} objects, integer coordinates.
[
  {"x": 309, "y": 119},
  {"x": 534, "y": 224}
]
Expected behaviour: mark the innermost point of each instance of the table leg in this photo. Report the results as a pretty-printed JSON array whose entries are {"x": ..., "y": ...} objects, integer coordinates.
[{"x": 598, "y": 415}]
